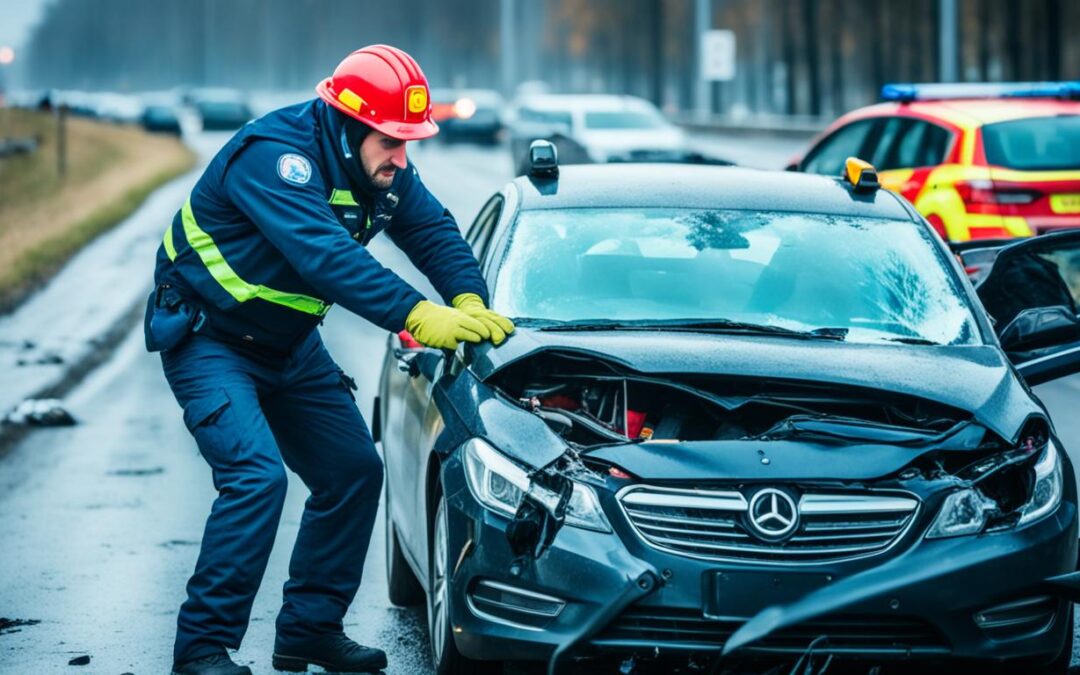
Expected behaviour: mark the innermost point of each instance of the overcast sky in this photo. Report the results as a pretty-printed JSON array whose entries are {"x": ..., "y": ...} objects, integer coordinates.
[{"x": 16, "y": 19}]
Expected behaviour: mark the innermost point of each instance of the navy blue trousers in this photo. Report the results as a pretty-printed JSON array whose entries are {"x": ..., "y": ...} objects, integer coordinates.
[{"x": 251, "y": 417}]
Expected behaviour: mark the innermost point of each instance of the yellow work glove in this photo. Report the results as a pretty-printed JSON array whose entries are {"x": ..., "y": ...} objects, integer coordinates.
[
  {"x": 443, "y": 327},
  {"x": 499, "y": 325}
]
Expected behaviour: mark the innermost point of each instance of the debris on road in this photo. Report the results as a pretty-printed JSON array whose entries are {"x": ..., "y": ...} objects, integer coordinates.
[
  {"x": 83, "y": 660},
  {"x": 46, "y": 359},
  {"x": 46, "y": 412},
  {"x": 150, "y": 471},
  {"x": 176, "y": 543},
  {"x": 15, "y": 625}
]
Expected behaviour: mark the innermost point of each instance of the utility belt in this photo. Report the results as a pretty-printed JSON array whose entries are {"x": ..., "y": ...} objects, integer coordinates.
[{"x": 244, "y": 343}]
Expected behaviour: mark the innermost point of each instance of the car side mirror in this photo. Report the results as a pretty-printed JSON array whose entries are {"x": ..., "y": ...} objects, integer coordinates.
[
  {"x": 1031, "y": 290},
  {"x": 1040, "y": 327}
]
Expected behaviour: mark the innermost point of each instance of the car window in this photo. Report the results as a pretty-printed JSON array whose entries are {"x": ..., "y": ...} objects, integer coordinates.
[
  {"x": 878, "y": 279},
  {"x": 828, "y": 157},
  {"x": 1034, "y": 144},
  {"x": 479, "y": 235},
  {"x": 906, "y": 143},
  {"x": 922, "y": 144},
  {"x": 883, "y": 154},
  {"x": 623, "y": 119}
]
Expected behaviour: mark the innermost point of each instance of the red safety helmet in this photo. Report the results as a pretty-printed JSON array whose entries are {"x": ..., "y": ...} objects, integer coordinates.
[{"x": 384, "y": 88}]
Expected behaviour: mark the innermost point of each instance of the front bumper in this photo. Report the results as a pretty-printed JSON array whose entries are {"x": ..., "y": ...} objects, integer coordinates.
[{"x": 978, "y": 597}]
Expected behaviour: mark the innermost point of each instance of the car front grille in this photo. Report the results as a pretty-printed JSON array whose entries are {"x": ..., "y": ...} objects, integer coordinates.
[
  {"x": 684, "y": 629},
  {"x": 713, "y": 525}
]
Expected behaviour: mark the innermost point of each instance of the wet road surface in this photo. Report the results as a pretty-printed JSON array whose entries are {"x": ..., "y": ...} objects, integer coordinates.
[{"x": 101, "y": 522}]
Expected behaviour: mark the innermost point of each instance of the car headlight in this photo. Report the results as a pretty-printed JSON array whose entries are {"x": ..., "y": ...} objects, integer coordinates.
[
  {"x": 499, "y": 484},
  {"x": 1047, "y": 493},
  {"x": 964, "y": 512},
  {"x": 967, "y": 511}
]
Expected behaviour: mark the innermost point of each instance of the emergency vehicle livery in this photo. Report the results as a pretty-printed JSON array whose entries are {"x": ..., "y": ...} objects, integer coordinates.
[{"x": 977, "y": 160}]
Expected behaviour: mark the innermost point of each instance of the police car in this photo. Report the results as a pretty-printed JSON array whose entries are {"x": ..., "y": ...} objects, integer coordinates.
[
  {"x": 977, "y": 160},
  {"x": 747, "y": 418}
]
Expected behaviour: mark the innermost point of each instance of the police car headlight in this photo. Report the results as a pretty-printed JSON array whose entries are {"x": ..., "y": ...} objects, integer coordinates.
[
  {"x": 500, "y": 484},
  {"x": 1046, "y": 495}
]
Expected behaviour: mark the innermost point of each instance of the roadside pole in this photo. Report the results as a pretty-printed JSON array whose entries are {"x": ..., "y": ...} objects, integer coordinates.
[
  {"x": 703, "y": 88},
  {"x": 61, "y": 112},
  {"x": 506, "y": 46},
  {"x": 948, "y": 60}
]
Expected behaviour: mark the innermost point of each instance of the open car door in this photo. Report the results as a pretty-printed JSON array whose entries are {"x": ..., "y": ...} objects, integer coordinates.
[{"x": 1032, "y": 291}]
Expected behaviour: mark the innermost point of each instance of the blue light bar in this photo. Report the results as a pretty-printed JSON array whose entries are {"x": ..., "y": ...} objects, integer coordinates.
[{"x": 940, "y": 91}]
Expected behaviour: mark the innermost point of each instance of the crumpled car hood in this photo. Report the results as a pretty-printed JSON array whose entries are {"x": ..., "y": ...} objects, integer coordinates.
[
  {"x": 756, "y": 460},
  {"x": 975, "y": 378}
]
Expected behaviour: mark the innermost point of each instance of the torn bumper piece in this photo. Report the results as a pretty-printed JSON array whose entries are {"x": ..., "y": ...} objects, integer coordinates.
[
  {"x": 1002, "y": 595},
  {"x": 513, "y": 605}
]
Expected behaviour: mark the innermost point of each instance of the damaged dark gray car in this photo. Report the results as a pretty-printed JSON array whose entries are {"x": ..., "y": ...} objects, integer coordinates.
[{"x": 747, "y": 418}]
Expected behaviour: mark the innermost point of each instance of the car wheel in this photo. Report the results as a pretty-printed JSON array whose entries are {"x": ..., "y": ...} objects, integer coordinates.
[
  {"x": 402, "y": 587},
  {"x": 444, "y": 654}
]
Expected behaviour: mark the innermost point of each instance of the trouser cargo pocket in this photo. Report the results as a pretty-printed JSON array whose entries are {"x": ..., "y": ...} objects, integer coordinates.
[{"x": 212, "y": 421}]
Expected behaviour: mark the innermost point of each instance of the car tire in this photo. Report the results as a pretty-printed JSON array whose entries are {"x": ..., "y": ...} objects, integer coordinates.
[
  {"x": 402, "y": 586},
  {"x": 444, "y": 654}
]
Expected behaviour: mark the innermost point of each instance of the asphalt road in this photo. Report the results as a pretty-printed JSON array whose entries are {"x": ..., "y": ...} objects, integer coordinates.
[{"x": 101, "y": 522}]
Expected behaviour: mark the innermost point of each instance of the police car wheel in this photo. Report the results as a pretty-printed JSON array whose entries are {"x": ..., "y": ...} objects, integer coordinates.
[{"x": 447, "y": 659}]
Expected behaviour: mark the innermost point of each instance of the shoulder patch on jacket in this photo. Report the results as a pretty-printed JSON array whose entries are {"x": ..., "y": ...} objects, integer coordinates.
[{"x": 294, "y": 168}]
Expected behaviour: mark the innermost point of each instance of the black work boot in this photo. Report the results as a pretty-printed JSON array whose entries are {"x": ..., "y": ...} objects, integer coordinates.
[
  {"x": 215, "y": 664},
  {"x": 334, "y": 652}
]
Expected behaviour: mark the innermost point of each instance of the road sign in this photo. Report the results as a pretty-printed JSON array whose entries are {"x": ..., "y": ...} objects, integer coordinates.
[{"x": 718, "y": 55}]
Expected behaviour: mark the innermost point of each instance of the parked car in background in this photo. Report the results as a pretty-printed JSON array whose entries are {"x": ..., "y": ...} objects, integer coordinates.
[
  {"x": 219, "y": 109},
  {"x": 118, "y": 108},
  {"x": 591, "y": 128},
  {"x": 838, "y": 455},
  {"x": 977, "y": 160},
  {"x": 222, "y": 115},
  {"x": 474, "y": 115},
  {"x": 161, "y": 119}
]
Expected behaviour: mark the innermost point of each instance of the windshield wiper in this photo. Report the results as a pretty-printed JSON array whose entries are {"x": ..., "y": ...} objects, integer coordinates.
[
  {"x": 586, "y": 325},
  {"x": 705, "y": 326},
  {"x": 913, "y": 341},
  {"x": 724, "y": 326}
]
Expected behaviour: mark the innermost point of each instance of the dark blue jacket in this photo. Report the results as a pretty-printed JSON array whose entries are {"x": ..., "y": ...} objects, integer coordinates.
[{"x": 264, "y": 204}]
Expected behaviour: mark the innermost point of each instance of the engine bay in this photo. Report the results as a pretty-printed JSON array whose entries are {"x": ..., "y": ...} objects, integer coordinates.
[{"x": 591, "y": 402}]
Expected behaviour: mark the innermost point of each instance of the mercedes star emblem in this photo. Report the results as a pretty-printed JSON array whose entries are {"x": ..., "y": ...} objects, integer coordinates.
[{"x": 773, "y": 513}]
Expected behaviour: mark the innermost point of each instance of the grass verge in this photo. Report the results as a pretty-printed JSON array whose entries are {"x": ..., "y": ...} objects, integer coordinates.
[{"x": 46, "y": 218}]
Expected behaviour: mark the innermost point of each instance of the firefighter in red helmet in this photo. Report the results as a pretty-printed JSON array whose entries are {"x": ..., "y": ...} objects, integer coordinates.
[
  {"x": 385, "y": 89},
  {"x": 272, "y": 235}
]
